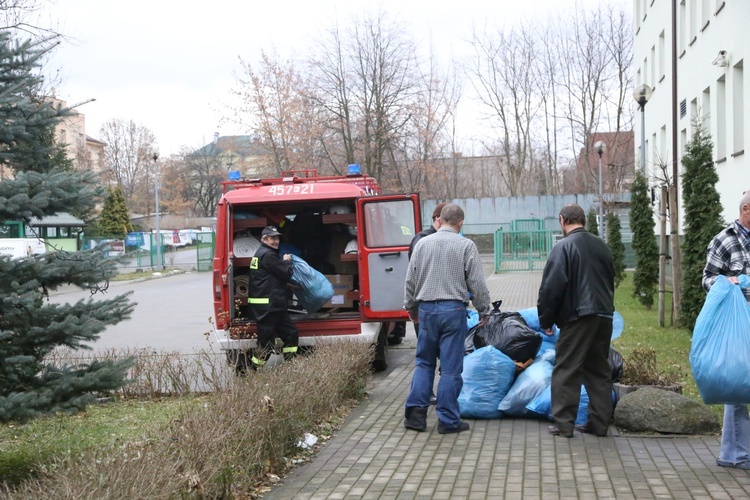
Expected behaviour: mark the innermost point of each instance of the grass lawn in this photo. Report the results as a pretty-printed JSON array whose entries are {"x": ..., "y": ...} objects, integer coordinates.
[{"x": 23, "y": 447}]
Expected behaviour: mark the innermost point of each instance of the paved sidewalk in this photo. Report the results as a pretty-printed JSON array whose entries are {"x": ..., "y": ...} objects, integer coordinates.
[{"x": 373, "y": 456}]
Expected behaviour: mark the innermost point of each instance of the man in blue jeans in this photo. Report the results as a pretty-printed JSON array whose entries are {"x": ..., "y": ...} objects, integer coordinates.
[
  {"x": 443, "y": 269},
  {"x": 729, "y": 254}
]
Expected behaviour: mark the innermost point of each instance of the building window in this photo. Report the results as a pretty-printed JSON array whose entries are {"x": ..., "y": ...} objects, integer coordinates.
[
  {"x": 663, "y": 145},
  {"x": 62, "y": 136},
  {"x": 738, "y": 107},
  {"x": 683, "y": 26},
  {"x": 683, "y": 141},
  {"x": 662, "y": 59},
  {"x": 645, "y": 70},
  {"x": 653, "y": 66},
  {"x": 693, "y": 19},
  {"x": 706, "y": 109},
  {"x": 705, "y": 13},
  {"x": 721, "y": 118}
]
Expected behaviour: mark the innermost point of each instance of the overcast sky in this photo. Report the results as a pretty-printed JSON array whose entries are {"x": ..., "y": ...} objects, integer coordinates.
[{"x": 170, "y": 65}]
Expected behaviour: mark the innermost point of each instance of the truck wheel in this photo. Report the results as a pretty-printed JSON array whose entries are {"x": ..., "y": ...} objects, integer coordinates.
[
  {"x": 380, "y": 361},
  {"x": 239, "y": 361}
]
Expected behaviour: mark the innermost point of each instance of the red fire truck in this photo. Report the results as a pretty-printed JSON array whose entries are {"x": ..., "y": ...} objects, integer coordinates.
[{"x": 341, "y": 226}]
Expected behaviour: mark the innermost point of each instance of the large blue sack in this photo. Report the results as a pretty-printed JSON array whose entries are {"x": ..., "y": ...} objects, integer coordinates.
[
  {"x": 487, "y": 375},
  {"x": 529, "y": 384},
  {"x": 316, "y": 289},
  {"x": 542, "y": 406},
  {"x": 720, "y": 350}
]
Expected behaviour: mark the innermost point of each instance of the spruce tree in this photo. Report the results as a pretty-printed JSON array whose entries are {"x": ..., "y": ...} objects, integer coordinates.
[
  {"x": 646, "y": 275},
  {"x": 30, "y": 327},
  {"x": 114, "y": 220},
  {"x": 616, "y": 246},
  {"x": 591, "y": 225},
  {"x": 702, "y": 208}
]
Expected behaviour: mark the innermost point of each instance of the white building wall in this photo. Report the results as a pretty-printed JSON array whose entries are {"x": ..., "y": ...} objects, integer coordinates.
[{"x": 719, "y": 94}]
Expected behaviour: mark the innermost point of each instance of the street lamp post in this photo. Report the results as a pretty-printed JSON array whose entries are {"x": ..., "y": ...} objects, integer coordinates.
[
  {"x": 642, "y": 94},
  {"x": 156, "y": 196},
  {"x": 600, "y": 148}
]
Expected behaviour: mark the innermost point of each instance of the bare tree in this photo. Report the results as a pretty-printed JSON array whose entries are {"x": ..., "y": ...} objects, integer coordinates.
[
  {"x": 367, "y": 82},
  {"x": 503, "y": 75},
  {"x": 203, "y": 170},
  {"x": 283, "y": 112},
  {"x": 128, "y": 160}
]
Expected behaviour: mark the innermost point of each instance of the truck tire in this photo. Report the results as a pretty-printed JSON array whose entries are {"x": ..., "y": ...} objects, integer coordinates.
[{"x": 380, "y": 361}]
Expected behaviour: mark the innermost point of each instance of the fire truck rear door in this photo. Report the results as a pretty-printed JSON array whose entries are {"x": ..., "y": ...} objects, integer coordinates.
[{"x": 386, "y": 226}]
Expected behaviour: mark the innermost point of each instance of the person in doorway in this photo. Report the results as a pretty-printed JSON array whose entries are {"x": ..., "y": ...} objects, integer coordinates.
[
  {"x": 577, "y": 294},
  {"x": 728, "y": 255},
  {"x": 443, "y": 270},
  {"x": 270, "y": 275}
]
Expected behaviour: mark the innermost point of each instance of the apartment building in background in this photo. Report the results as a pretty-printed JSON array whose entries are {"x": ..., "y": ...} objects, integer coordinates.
[
  {"x": 86, "y": 152},
  {"x": 713, "y": 44}
]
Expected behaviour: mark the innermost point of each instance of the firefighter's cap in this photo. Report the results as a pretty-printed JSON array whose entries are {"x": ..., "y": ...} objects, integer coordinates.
[{"x": 270, "y": 231}]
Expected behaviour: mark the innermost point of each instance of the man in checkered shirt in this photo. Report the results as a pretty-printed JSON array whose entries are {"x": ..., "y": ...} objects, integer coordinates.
[
  {"x": 443, "y": 270},
  {"x": 729, "y": 255}
]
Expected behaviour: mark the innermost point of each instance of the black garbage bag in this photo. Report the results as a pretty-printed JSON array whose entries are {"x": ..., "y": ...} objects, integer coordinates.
[
  {"x": 615, "y": 363},
  {"x": 507, "y": 332},
  {"x": 473, "y": 341}
]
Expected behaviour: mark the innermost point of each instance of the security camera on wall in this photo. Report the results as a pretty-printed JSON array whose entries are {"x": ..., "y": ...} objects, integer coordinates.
[{"x": 722, "y": 59}]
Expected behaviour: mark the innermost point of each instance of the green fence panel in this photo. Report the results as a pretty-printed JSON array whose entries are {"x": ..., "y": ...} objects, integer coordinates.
[
  {"x": 522, "y": 250},
  {"x": 204, "y": 244}
]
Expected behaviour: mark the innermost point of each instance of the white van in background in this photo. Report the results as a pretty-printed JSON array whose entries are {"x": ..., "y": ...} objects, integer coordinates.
[{"x": 19, "y": 248}]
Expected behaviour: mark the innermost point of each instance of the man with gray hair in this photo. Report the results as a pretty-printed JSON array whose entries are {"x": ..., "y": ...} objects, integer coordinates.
[
  {"x": 577, "y": 294},
  {"x": 443, "y": 270},
  {"x": 728, "y": 255}
]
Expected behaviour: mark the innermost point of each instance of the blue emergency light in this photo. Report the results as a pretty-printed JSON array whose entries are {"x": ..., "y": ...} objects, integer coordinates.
[
  {"x": 354, "y": 169},
  {"x": 234, "y": 175}
]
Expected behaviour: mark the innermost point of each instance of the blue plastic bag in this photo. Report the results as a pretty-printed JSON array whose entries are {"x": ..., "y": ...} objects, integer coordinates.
[
  {"x": 472, "y": 319},
  {"x": 487, "y": 375},
  {"x": 316, "y": 289},
  {"x": 542, "y": 406},
  {"x": 720, "y": 350},
  {"x": 529, "y": 384}
]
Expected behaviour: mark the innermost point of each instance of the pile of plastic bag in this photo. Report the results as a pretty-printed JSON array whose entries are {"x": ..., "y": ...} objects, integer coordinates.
[{"x": 497, "y": 385}]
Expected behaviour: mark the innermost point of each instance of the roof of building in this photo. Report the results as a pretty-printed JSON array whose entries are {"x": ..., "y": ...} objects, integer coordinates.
[{"x": 61, "y": 219}]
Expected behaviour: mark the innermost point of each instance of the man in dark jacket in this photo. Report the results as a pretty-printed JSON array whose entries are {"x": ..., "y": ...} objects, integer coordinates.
[
  {"x": 269, "y": 295},
  {"x": 577, "y": 294}
]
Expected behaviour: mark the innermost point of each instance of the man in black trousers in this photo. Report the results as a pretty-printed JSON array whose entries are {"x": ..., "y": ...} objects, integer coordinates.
[{"x": 577, "y": 294}]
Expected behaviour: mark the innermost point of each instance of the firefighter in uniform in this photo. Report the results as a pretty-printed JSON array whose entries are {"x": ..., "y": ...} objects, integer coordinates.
[{"x": 269, "y": 277}]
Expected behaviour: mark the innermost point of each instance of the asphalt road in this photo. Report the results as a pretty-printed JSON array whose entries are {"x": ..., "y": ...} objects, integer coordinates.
[{"x": 172, "y": 314}]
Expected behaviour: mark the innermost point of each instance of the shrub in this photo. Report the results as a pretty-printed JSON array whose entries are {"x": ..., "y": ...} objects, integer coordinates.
[
  {"x": 640, "y": 368},
  {"x": 227, "y": 446}
]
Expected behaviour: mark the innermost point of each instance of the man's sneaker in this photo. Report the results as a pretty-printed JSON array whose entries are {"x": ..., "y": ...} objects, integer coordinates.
[
  {"x": 444, "y": 429},
  {"x": 738, "y": 465}
]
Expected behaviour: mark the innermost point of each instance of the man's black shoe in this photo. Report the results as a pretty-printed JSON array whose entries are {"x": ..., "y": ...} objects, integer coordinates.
[
  {"x": 433, "y": 399},
  {"x": 555, "y": 431},
  {"x": 444, "y": 429},
  {"x": 586, "y": 430},
  {"x": 416, "y": 419}
]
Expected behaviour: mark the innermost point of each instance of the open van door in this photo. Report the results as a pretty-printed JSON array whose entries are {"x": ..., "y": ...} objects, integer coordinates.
[{"x": 386, "y": 225}]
